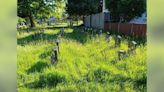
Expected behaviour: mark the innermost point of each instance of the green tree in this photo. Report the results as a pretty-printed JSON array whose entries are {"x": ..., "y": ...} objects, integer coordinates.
[
  {"x": 127, "y": 9},
  {"x": 80, "y": 8},
  {"x": 35, "y": 8}
]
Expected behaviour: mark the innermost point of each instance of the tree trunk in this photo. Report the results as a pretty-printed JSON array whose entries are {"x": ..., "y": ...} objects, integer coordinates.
[{"x": 31, "y": 21}]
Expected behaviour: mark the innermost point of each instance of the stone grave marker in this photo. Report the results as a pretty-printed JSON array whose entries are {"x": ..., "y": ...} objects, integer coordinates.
[
  {"x": 108, "y": 37},
  {"x": 54, "y": 57},
  {"x": 118, "y": 41},
  {"x": 57, "y": 43},
  {"x": 132, "y": 47},
  {"x": 100, "y": 32},
  {"x": 62, "y": 31},
  {"x": 121, "y": 54}
]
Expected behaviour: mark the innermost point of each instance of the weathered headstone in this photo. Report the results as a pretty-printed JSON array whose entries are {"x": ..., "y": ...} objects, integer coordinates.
[
  {"x": 57, "y": 43},
  {"x": 108, "y": 37},
  {"x": 100, "y": 32},
  {"x": 54, "y": 57},
  {"x": 121, "y": 54},
  {"x": 132, "y": 47},
  {"x": 118, "y": 41},
  {"x": 62, "y": 31}
]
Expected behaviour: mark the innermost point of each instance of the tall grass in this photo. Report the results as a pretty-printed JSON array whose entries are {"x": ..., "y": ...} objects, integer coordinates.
[{"x": 86, "y": 63}]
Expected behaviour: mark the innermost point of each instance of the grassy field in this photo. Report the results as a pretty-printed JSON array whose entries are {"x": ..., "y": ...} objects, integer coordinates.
[{"x": 86, "y": 63}]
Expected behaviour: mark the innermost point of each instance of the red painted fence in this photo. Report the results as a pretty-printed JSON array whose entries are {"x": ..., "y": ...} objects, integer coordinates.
[{"x": 136, "y": 30}]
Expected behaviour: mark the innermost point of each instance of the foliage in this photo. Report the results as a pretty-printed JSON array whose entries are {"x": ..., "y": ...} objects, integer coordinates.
[
  {"x": 36, "y": 8},
  {"x": 127, "y": 9},
  {"x": 82, "y": 7}
]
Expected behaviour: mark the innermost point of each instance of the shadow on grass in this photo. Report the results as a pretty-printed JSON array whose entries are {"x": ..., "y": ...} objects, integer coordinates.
[
  {"x": 75, "y": 35},
  {"x": 45, "y": 54},
  {"x": 38, "y": 67},
  {"x": 47, "y": 80},
  {"x": 29, "y": 39}
]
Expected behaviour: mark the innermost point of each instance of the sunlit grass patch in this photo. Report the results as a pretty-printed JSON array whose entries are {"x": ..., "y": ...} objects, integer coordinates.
[{"x": 85, "y": 63}]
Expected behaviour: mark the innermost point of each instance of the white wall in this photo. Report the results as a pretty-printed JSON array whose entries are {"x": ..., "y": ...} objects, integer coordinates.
[{"x": 96, "y": 21}]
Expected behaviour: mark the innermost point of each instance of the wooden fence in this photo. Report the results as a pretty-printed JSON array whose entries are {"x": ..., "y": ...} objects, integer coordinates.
[{"x": 136, "y": 30}]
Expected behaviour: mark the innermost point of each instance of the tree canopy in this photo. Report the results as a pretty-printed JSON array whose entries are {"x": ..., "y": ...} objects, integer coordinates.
[
  {"x": 82, "y": 7},
  {"x": 127, "y": 9},
  {"x": 40, "y": 8}
]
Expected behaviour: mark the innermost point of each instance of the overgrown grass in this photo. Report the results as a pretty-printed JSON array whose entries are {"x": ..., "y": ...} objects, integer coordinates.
[{"x": 86, "y": 64}]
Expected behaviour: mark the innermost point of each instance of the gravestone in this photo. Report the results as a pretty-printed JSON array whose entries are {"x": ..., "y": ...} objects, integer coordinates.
[
  {"x": 62, "y": 31},
  {"x": 108, "y": 37},
  {"x": 132, "y": 47},
  {"x": 100, "y": 32},
  {"x": 118, "y": 41},
  {"x": 95, "y": 31},
  {"x": 57, "y": 43},
  {"x": 121, "y": 54},
  {"x": 54, "y": 57}
]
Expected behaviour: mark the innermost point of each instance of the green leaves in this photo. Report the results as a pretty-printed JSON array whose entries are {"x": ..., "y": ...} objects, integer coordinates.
[{"x": 127, "y": 9}]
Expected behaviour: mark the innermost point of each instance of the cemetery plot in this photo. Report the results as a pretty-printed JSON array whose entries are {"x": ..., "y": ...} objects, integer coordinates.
[{"x": 75, "y": 60}]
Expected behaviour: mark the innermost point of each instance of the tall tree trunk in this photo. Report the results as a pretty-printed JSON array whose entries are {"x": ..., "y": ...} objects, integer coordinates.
[{"x": 31, "y": 21}]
